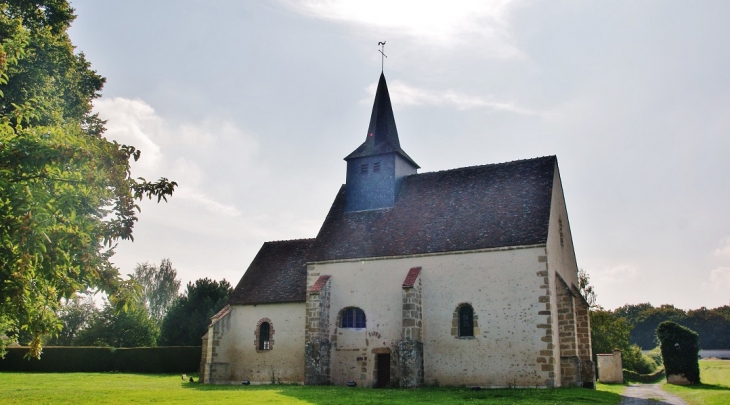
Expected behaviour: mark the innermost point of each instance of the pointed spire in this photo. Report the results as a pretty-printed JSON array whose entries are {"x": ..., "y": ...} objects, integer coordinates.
[
  {"x": 382, "y": 135},
  {"x": 382, "y": 122}
]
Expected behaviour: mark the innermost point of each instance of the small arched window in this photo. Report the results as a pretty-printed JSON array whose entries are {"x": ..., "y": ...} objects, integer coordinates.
[
  {"x": 352, "y": 318},
  {"x": 264, "y": 336},
  {"x": 466, "y": 320}
]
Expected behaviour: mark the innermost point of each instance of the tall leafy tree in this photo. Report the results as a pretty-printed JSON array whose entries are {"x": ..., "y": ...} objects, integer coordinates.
[
  {"x": 160, "y": 286},
  {"x": 75, "y": 315},
  {"x": 66, "y": 192},
  {"x": 187, "y": 320},
  {"x": 586, "y": 289},
  {"x": 109, "y": 327}
]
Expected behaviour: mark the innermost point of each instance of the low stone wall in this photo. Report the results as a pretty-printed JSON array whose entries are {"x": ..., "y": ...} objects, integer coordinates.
[{"x": 610, "y": 367}]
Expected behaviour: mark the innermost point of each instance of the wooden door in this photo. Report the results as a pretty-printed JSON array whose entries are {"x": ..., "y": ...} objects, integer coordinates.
[{"x": 383, "y": 370}]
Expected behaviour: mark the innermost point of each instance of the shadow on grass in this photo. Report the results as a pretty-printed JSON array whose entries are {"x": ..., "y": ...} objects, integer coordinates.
[
  {"x": 707, "y": 387},
  {"x": 325, "y": 395}
]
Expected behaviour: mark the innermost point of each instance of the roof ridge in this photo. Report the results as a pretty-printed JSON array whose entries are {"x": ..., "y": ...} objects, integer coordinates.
[
  {"x": 291, "y": 240},
  {"x": 484, "y": 165}
]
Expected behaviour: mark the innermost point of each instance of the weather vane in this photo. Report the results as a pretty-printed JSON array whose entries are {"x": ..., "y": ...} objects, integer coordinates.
[{"x": 382, "y": 58}]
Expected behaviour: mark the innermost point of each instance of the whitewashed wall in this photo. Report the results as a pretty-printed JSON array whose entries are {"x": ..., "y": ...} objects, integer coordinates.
[
  {"x": 503, "y": 286},
  {"x": 284, "y": 363}
]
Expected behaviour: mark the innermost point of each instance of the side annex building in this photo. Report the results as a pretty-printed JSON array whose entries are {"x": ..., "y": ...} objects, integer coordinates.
[{"x": 461, "y": 277}]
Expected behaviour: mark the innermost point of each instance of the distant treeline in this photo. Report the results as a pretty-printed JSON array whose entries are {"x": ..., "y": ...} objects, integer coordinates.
[{"x": 713, "y": 325}]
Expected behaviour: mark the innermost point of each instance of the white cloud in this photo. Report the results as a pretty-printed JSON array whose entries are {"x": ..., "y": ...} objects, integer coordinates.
[
  {"x": 426, "y": 23},
  {"x": 134, "y": 122},
  {"x": 200, "y": 199},
  {"x": 719, "y": 279},
  {"x": 724, "y": 250},
  {"x": 403, "y": 94},
  {"x": 615, "y": 274}
]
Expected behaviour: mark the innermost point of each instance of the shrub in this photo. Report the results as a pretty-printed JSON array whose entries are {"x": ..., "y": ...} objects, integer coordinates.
[
  {"x": 680, "y": 347},
  {"x": 635, "y": 360},
  {"x": 632, "y": 376},
  {"x": 656, "y": 355},
  {"x": 59, "y": 359},
  {"x": 180, "y": 359}
]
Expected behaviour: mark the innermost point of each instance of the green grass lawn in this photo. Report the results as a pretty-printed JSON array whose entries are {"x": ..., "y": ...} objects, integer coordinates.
[
  {"x": 116, "y": 388},
  {"x": 715, "y": 387},
  {"x": 615, "y": 388}
]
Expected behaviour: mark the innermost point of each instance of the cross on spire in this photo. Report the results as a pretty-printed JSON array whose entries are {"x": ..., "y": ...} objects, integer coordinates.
[{"x": 382, "y": 58}]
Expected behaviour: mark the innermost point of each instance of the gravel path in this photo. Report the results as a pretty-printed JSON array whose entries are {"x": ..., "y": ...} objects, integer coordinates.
[{"x": 649, "y": 394}]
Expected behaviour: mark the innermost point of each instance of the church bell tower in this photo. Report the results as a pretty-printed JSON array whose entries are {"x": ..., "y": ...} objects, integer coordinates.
[{"x": 376, "y": 169}]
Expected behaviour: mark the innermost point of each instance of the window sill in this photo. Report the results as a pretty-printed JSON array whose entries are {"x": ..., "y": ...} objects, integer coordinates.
[{"x": 465, "y": 337}]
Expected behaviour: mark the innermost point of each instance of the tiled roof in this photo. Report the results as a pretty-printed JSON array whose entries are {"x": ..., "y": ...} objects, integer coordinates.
[
  {"x": 217, "y": 317},
  {"x": 278, "y": 273},
  {"x": 490, "y": 206},
  {"x": 319, "y": 284},
  {"x": 382, "y": 136},
  {"x": 411, "y": 277}
]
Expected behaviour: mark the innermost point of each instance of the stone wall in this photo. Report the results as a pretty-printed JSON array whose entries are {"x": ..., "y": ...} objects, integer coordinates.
[
  {"x": 216, "y": 367},
  {"x": 610, "y": 367},
  {"x": 500, "y": 284},
  {"x": 410, "y": 348},
  {"x": 569, "y": 361},
  {"x": 318, "y": 346},
  {"x": 546, "y": 357}
]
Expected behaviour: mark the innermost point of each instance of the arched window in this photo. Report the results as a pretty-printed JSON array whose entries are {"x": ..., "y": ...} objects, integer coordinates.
[
  {"x": 264, "y": 335},
  {"x": 466, "y": 320},
  {"x": 352, "y": 318}
]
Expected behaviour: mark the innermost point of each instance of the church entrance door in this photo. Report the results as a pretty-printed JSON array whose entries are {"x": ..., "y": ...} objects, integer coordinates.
[{"x": 383, "y": 361}]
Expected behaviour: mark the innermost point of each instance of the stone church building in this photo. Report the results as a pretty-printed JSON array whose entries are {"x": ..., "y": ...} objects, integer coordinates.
[{"x": 458, "y": 277}]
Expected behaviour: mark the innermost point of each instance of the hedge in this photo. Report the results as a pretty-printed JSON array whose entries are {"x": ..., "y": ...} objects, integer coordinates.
[
  {"x": 171, "y": 359},
  {"x": 633, "y": 376},
  {"x": 680, "y": 348}
]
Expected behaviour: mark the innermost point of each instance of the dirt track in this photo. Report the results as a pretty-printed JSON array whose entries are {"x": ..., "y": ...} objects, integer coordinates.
[{"x": 646, "y": 394}]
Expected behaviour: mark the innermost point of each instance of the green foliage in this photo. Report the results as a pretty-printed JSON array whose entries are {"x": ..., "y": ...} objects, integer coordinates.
[
  {"x": 59, "y": 359},
  {"x": 175, "y": 359},
  {"x": 182, "y": 359},
  {"x": 75, "y": 315},
  {"x": 654, "y": 377},
  {"x": 130, "y": 328},
  {"x": 656, "y": 356},
  {"x": 636, "y": 361},
  {"x": 586, "y": 290},
  {"x": 160, "y": 287},
  {"x": 644, "y": 320},
  {"x": 187, "y": 319},
  {"x": 713, "y": 325},
  {"x": 608, "y": 332},
  {"x": 67, "y": 192},
  {"x": 680, "y": 348}
]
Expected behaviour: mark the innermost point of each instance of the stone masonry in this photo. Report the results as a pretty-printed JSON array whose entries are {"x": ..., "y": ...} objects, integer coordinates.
[
  {"x": 318, "y": 344},
  {"x": 410, "y": 348},
  {"x": 569, "y": 361},
  {"x": 546, "y": 358},
  {"x": 215, "y": 371}
]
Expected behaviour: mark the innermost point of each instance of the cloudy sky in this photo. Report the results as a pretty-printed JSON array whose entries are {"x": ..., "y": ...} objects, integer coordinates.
[{"x": 251, "y": 106}]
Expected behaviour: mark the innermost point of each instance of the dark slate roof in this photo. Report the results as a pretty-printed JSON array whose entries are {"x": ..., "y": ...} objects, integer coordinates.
[
  {"x": 382, "y": 136},
  {"x": 498, "y": 205},
  {"x": 278, "y": 273}
]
